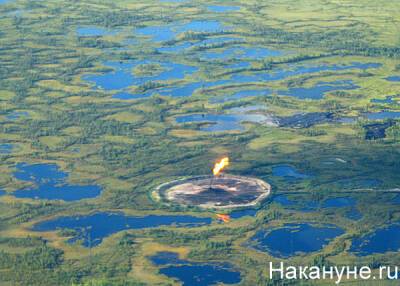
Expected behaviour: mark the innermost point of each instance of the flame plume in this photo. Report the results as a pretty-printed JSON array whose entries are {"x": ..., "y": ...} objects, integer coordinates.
[{"x": 219, "y": 166}]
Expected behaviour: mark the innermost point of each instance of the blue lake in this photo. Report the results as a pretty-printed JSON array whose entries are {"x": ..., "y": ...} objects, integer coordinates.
[
  {"x": 295, "y": 239},
  {"x": 382, "y": 240},
  {"x": 302, "y": 204},
  {"x": 318, "y": 91},
  {"x": 93, "y": 32},
  {"x": 393, "y": 78},
  {"x": 222, "y": 9},
  {"x": 2, "y": 192},
  {"x": 122, "y": 76},
  {"x": 195, "y": 273},
  {"x": 169, "y": 32},
  {"x": 339, "y": 202},
  {"x": 284, "y": 200},
  {"x": 6, "y": 148},
  {"x": 387, "y": 100},
  {"x": 396, "y": 200},
  {"x": 17, "y": 115},
  {"x": 242, "y": 213},
  {"x": 288, "y": 172},
  {"x": 50, "y": 183},
  {"x": 93, "y": 228},
  {"x": 383, "y": 115}
]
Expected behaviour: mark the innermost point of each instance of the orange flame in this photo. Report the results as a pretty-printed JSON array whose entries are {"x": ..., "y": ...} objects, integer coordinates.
[
  {"x": 219, "y": 166},
  {"x": 224, "y": 217}
]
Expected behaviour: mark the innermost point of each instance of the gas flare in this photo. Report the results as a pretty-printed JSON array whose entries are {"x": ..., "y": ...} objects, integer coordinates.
[
  {"x": 219, "y": 166},
  {"x": 224, "y": 217}
]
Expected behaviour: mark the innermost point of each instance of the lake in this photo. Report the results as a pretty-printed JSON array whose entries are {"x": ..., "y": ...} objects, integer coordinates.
[
  {"x": 339, "y": 202},
  {"x": 383, "y": 115},
  {"x": 94, "y": 32},
  {"x": 288, "y": 172},
  {"x": 195, "y": 273},
  {"x": 123, "y": 76},
  {"x": 382, "y": 240},
  {"x": 222, "y": 9},
  {"x": 6, "y": 148},
  {"x": 17, "y": 115},
  {"x": 50, "y": 183},
  {"x": 393, "y": 78},
  {"x": 387, "y": 100},
  {"x": 242, "y": 213},
  {"x": 169, "y": 32},
  {"x": 295, "y": 239},
  {"x": 93, "y": 228}
]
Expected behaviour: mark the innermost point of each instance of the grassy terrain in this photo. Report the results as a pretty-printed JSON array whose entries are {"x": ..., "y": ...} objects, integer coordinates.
[{"x": 129, "y": 147}]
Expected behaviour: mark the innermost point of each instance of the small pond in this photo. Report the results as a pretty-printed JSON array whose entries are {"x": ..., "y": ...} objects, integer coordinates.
[
  {"x": 339, "y": 202},
  {"x": 288, "y": 172},
  {"x": 17, "y": 115},
  {"x": 387, "y": 100},
  {"x": 393, "y": 78},
  {"x": 6, "y": 148},
  {"x": 222, "y": 9},
  {"x": 242, "y": 213},
  {"x": 94, "y": 32},
  {"x": 383, "y": 115}
]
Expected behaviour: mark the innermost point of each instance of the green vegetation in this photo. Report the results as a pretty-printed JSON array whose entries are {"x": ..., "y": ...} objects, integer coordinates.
[{"x": 129, "y": 147}]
